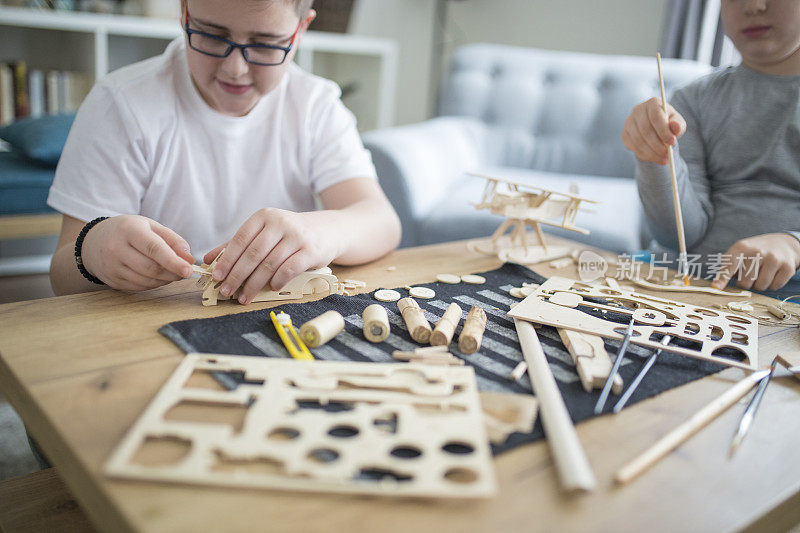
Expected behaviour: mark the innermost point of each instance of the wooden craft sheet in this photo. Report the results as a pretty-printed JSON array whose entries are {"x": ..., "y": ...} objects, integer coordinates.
[{"x": 437, "y": 413}]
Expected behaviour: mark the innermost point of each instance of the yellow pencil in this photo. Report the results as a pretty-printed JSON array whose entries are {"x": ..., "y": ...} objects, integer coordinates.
[{"x": 283, "y": 325}]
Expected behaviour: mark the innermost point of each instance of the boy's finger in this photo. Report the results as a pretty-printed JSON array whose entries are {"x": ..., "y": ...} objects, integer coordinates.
[
  {"x": 146, "y": 267},
  {"x": 294, "y": 265},
  {"x": 173, "y": 240},
  {"x": 676, "y": 124},
  {"x": 723, "y": 277},
  {"x": 649, "y": 143},
  {"x": 660, "y": 125},
  {"x": 153, "y": 246},
  {"x": 236, "y": 246},
  {"x": 210, "y": 256},
  {"x": 258, "y": 260}
]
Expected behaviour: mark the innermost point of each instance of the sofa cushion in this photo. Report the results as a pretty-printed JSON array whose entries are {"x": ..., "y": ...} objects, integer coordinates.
[
  {"x": 556, "y": 111},
  {"x": 24, "y": 185},
  {"x": 614, "y": 224},
  {"x": 40, "y": 139}
]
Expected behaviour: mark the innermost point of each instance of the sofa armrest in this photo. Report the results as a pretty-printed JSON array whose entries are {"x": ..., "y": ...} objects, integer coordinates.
[{"x": 418, "y": 163}]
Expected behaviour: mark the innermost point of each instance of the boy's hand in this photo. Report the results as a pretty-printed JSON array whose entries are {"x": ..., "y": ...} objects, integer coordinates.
[
  {"x": 271, "y": 248},
  {"x": 648, "y": 131},
  {"x": 779, "y": 259},
  {"x": 134, "y": 253}
]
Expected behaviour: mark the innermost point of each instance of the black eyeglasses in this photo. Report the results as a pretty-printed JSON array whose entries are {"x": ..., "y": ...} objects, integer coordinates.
[{"x": 257, "y": 54}]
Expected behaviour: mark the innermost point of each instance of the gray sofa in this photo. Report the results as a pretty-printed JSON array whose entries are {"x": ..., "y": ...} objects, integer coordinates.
[{"x": 547, "y": 118}]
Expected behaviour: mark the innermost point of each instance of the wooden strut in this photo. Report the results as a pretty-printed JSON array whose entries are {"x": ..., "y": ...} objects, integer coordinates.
[
  {"x": 446, "y": 327},
  {"x": 674, "y": 179},
  {"x": 573, "y": 467},
  {"x": 376, "y": 323}
]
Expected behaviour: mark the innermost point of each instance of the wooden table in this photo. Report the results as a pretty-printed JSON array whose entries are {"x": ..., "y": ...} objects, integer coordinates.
[{"x": 80, "y": 370}]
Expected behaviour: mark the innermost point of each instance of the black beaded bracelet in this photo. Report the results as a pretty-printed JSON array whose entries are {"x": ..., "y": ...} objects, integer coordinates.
[{"x": 79, "y": 244}]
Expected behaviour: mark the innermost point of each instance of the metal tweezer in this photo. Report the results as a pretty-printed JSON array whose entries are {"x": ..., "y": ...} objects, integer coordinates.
[
  {"x": 601, "y": 402},
  {"x": 752, "y": 407},
  {"x": 632, "y": 387}
]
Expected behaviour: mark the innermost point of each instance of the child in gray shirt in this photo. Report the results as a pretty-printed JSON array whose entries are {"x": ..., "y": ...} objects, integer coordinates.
[{"x": 738, "y": 160}]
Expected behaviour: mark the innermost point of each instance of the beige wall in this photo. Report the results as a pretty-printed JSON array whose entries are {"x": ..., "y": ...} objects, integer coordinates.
[{"x": 601, "y": 26}]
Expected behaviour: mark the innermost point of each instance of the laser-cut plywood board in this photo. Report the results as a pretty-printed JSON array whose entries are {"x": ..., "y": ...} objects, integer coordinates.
[
  {"x": 388, "y": 429},
  {"x": 703, "y": 333}
]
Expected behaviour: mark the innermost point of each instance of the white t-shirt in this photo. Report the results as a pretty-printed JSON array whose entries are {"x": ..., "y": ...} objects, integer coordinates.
[{"x": 145, "y": 142}]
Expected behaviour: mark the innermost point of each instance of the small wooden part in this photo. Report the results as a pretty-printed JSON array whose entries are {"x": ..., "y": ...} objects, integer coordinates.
[
  {"x": 693, "y": 288},
  {"x": 591, "y": 359},
  {"x": 446, "y": 326},
  {"x": 423, "y": 293},
  {"x": 473, "y": 279},
  {"x": 321, "y": 329},
  {"x": 518, "y": 371},
  {"x": 564, "y": 262},
  {"x": 376, "y": 323},
  {"x": 505, "y": 413},
  {"x": 391, "y": 268},
  {"x": 431, "y": 358},
  {"x": 776, "y": 311},
  {"x": 682, "y": 433},
  {"x": 573, "y": 467},
  {"x": 414, "y": 317},
  {"x": 471, "y": 335},
  {"x": 741, "y": 306},
  {"x": 612, "y": 283},
  {"x": 516, "y": 292},
  {"x": 431, "y": 349},
  {"x": 448, "y": 278},
  {"x": 203, "y": 270},
  {"x": 386, "y": 295}
]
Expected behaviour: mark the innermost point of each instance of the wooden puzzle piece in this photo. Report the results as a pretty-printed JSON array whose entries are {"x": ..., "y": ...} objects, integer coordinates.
[
  {"x": 382, "y": 439},
  {"x": 707, "y": 334}
]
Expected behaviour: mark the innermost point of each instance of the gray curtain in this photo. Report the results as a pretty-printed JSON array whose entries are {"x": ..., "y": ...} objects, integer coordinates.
[{"x": 681, "y": 34}]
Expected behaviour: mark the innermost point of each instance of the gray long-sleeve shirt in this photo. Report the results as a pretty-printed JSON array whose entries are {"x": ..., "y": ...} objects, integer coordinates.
[{"x": 738, "y": 164}]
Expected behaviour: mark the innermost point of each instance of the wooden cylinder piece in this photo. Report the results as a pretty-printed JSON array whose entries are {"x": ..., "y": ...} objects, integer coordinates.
[
  {"x": 414, "y": 317},
  {"x": 320, "y": 330},
  {"x": 470, "y": 339},
  {"x": 446, "y": 327},
  {"x": 376, "y": 323}
]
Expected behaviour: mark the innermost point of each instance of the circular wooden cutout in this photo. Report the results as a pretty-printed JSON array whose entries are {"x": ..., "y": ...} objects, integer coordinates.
[
  {"x": 423, "y": 293},
  {"x": 386, "y": 295},
  {"x": 448, "y": 278},
  {"x": 649, "y": 317}
]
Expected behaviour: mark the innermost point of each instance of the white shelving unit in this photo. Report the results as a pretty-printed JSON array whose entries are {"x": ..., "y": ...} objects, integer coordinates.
[{"x": 98, "y": 44}]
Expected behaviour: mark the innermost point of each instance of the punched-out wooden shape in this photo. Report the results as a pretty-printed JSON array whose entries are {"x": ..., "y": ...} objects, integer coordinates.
[
  {"x": 708, "y": 330},
  {"x": 386, "y": 429}
]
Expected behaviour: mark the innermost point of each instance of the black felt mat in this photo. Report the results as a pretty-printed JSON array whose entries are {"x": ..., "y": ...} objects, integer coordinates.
[{"x": 254, "y": 334}]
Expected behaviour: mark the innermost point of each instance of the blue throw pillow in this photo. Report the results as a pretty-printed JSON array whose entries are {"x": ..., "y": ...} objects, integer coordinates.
[{"x": 41, "y": 139}]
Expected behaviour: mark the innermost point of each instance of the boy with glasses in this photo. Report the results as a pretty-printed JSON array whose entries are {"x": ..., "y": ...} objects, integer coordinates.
[
  {"x": 738, "y": 159},
  {"x": 220, "y": 142}
]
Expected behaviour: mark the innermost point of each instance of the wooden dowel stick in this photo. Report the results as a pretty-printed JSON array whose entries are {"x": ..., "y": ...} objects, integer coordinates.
[
  {"x": 376, "y": 323},
  {"x": 675, "y": 195},
  {"x": 321, "y": 329},
  {"x": 573, "y": 467},
  {"x": 681, "y": 434}
]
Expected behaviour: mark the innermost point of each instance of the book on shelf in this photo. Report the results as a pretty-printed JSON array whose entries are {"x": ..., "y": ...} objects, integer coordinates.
[{"x": 26, "y": 92}]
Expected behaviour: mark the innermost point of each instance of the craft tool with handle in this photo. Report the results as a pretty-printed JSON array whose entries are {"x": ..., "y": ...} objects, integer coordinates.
[
  {"x": 642, "y": 373},
  {"x": 601, "y": 402},
  {"x": 290, "y": 338},
  {"x": 750, "y": 412}
]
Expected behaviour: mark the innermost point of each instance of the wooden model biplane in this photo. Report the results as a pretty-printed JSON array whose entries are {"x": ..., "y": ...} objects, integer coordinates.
[{"x": 525, "y": 205}]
